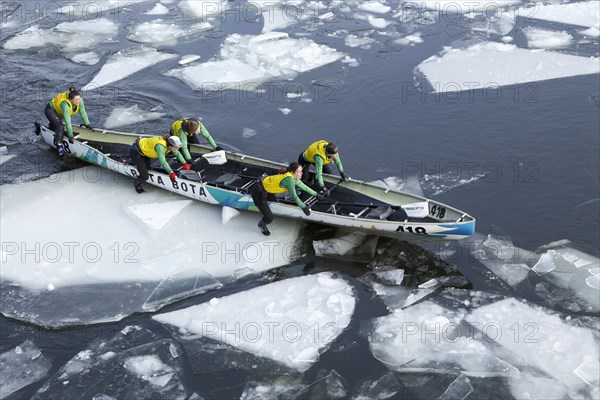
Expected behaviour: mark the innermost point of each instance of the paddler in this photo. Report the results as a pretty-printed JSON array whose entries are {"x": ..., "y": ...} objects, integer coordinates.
[
  {"x": 188, "y": 130},
  {"x": 145, "y": 149},
  {"x": 321, "y": 154},
  {"x": 266, "y": 189},
  {"x": 62, "y": 108}
]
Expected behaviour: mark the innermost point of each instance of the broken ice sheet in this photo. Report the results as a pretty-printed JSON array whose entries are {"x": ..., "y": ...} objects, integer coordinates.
[
  {"x": 164, "y": 33},
  {"x": 116, "y": 275},
  {"x": 246, "y": 61},
  {"x": 132, "y": 361},
  {"x": 356, "y": 245},
  {"x": 498, "y": 64},
  {"x": 21, "y": 366},
  {"x": 327, "y": 386},
  {"x": 291, "y": 321},
  {"x": 121, "y": 116},
  {"x": 428, "y": 337},
  {"x": 459, "y": 389},
  {"x": 383, "y": 388},
  {"x": 537, "y": 339},
  {"x": 125, "y": 63}
]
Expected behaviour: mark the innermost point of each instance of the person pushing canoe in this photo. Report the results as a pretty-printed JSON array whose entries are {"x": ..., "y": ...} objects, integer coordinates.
[
  {"x": 188, "y": 130},
  {"x": 145, "y": 149},
  {"x": 266, "y": 189},
  {"x": 321, "y": 154}
]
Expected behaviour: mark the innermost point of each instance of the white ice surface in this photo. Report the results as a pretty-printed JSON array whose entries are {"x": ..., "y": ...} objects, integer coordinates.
[
  {"x": 20, "y": 367},
  {"x": 547, "y": 39},
  {"x": 158, "y": 9},
  {"x": 121, "y": 116},
  {"x": 203, "y": 9},
  {"x": 246, "y": 61},
  {"x": 290, "y": 321},
  {"x": 379, "y": 23},
  {"x": 374, "y": 7},
  {"x": 584, "y": 13},
  {"x": 125, "y": 63},
  {"x": 489, "y": 64},
  {"x": 460, "y": 6},
  {"x": 427, "y": 337},
  {"x": 67, "y": 36},
  {"x": 160, "y": 32},
  {"x": 188, "y": 59},
  {"x": 537, "y": 339},
  {"x": 87, "y": 58},
  {"x": 157, "y": 250}
]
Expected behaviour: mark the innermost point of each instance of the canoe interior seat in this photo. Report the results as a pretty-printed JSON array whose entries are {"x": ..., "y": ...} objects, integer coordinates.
[
  {"x": 227, "y": 179},
  {"x": 381, "y": 212}
]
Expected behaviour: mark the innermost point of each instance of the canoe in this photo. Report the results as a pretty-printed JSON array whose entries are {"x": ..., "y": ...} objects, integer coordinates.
[{"x": 354, "y": 204}]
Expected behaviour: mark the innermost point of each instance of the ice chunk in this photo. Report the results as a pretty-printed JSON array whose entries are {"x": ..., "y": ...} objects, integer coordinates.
[
  {"x": 285, "y": 387},
  {"x": 22, "y": 366},
  {"x": 157, "y": 215},
  {"x": 204, "y": 9},
  {"x": 188, "y": 59},
  {"x": 536, "y": 338},
  {"x": 125, "y": 63},
  {"x": 529, "y": 386},
  {"x": 364, "y": 42},
  {"x": 428, "y": 337},
  {"x": 89, "y": 58},
  {"x": 297, "y": 335},
  {"x": 160, "y": 32},
  {"x": 410, "y": 39},
  {"x": 121, "y": 266},
  {"x": 375, "y": 7},
  {"x": 66, "y": 36},
  {"x": 545, "y": 264},
  {"x": 138, "y": 363},
  {"x": 285, "y": 111},
  {"x": 276, "y": 18},
  {"x": 383, "y": 388},
  {"x": 583, "y": 13},
  {"x": 379, "y": 23},
  {"x": 331, "y": 386},
  {"x": 158, "y": 9},
  {"x": 593, "y": 281},
  {"x": 121, "y": 116},
  {"x": 459, "y": 389},
  {"x": 228, "y": 214},
  {"x": 354, "y": 245},
  {"x": 465, "y": 6},
  {"x": 495, "y": 64},
  {"x": 248, "y": 133},
  {"x": 589, "y": 372},
  {"x": 591, "y": 32},
  {"x": 547, "y": 39},
  {"x": 246, "y": 61},
  {"x": 500, "y": 24}
]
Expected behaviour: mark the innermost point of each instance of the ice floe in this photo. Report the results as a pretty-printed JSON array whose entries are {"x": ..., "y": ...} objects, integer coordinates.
[
  {"x": 22, "y": 366},
  {"x": 134, "y": 360},
  {"x": 121, "y": 116},
  {"x": 132, "y": 258},
  {"x": 160, "y": 32},
  {"x": 246, "y": 61},
  {"x": 290, "y": 322},
  {"x": 460, "y": 6},
  {"x": 159, "y": 9},
  {"x": 488, "y": 64},
  {"x": 88, "y": 58},
  {"x": 583, "y": 13},
  {"x": 547, "y": 39},
  {"x": 188, "y": 59},
  {"x": 374, "y": 7},
  {"x": 204, "y": 9},
  {"x": 125, "y": 63},
  {"x": 67, "y": 36}
]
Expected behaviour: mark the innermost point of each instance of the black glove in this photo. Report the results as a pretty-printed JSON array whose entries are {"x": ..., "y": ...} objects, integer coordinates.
[
  {"x": 71, "y": 140},
  {"x": 88, "y": 126},
  {"x": 325, "y": 192},
  {"x": 306, "y": 211},
  {"x": 320, "y": 196},
  {"x": 218, "y": 148},
  {"x": 344, "y": 177}
]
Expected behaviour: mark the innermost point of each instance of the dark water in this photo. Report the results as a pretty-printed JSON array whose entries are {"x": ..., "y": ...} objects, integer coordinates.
[{"x": 535, "y": 148}]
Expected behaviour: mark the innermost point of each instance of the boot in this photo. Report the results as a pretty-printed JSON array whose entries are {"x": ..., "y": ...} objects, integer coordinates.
[
  {"x": 38, "y": 128},
  {"x": 263, "y": 228},
  {"x": 61, "y": 150},
  {"x": 138, "y": 187}
]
